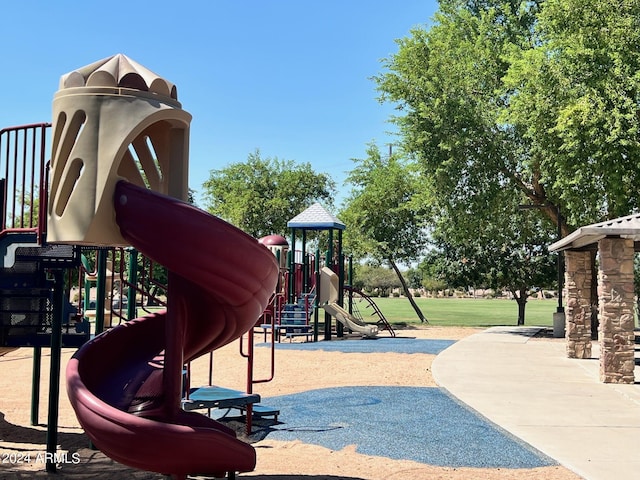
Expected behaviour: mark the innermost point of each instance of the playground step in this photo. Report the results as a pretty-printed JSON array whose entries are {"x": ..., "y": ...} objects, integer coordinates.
[
  {"x": 293, "y": 314},
  {"x": 261, "y": 411},
  {"x": 217, "y": 397},
  {"x": 18, "y": 248},
  {"x": 50, "y": 256},
  {"x": 23, "y": 312},
  {"x": 26, "y": 319},
  {"x": 306, "y": 300}
]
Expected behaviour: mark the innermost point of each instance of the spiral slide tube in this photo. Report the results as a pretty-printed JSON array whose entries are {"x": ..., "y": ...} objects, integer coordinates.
[{"x": 125, "y": 384}]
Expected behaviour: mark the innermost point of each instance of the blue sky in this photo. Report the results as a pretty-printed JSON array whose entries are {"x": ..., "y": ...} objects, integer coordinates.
[{"x": 290, "y": 78}]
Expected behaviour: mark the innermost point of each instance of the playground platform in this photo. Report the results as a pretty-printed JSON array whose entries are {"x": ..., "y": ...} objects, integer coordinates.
[{"x": 556, "y": 404}]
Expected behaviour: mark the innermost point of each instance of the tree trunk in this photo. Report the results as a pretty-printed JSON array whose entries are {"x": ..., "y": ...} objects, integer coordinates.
[
  {"x": 521, "y": 298},
  {"x": 407, "y": 293}
]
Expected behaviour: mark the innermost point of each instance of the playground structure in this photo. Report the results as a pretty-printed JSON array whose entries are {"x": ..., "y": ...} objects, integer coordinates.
[
  {"x": 310, "y": 283},
  {"x": 34, "y": 275},
  {"x": 111, "y": 188},
  {"x": 103, "y": 234}
]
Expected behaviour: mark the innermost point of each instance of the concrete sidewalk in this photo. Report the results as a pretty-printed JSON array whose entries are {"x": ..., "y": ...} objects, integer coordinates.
[{"x": 556, "y": 404}]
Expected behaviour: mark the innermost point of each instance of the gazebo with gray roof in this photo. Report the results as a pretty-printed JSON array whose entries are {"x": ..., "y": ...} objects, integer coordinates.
[
  {"x": 615, "y": 242},
  {"x": 316, "y": 218}
]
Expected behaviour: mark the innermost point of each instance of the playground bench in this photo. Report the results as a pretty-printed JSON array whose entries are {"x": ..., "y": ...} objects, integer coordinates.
[{"x": 217, "y": 397}]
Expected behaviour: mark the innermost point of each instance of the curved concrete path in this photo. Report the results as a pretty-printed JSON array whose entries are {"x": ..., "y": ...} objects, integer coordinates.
[{"x": 556, "y": 404}]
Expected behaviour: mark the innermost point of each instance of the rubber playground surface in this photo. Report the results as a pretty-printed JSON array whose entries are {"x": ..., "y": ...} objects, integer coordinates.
[
  {"x": 373, "y": 345},
  {"x": 423, "y": 424},
  {"x": 348, "y": 410}
]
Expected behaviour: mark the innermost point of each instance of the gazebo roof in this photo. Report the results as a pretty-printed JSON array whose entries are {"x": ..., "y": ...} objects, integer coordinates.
[
  {"x": 625, "y": 227},
  {"x": 316, "y": 217}
]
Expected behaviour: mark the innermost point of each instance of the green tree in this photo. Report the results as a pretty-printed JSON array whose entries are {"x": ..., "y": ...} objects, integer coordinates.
[
  {"x": 372, "y": 278},
  {"x": 539, "y": 97},
  {"x": 509, "y": 253},
  {"x": 535, "y": 99},
  {"x": 262, "y": 194},
  {"x": 384, "y": 214},
  {"x": 574, "y": 99}
]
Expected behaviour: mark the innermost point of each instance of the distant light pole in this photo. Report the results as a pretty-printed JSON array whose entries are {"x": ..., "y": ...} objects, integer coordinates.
[{"x": 530, "y": 206}]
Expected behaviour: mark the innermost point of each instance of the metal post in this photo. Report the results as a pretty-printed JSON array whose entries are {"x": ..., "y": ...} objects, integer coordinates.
[
  {"x": 101, "y": 288},
  {"x": 249, "y": 411},
  {"x": 3, "y": 203},
  {"x": 340, "y": 274},
  {"x": 350, "y": 276},
  {"x": 327, "y": 317},
  {"x": 292, "y": 268},
  {"x": 35, "y": 385},
  {"x": 560, "y": 263},
  {"x": 558, "y": 316},
  {"x": 132, "y": 311},
  {"x": 316, "y": 270},
  {"x": 304, "y": 268},
  {"x": 54, "y": 371},
  {"x": 173, "y": 354}
]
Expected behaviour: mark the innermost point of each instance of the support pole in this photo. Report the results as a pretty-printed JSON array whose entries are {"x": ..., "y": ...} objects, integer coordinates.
[
  {"x": 132, "y": 311},
  {"x": 174, "y": 339},
  {"x": 54, "y": 372},
  {"x": 35, "y": 384},
  {"x": 101, "y": 288},
  {"x": 316, "y": 272},
  {"x": 340, "y": 272},
  {"x": 350, "y": 278},
  {"x": 249, "y": 419},
  {"x": 292, "y": 268},
  {"x": 305, "y": 264},
  {"x": 327, "y": 317}
]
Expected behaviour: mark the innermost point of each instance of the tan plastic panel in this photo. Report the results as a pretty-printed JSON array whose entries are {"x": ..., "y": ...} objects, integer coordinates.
[{"x": 103, "y": 134}]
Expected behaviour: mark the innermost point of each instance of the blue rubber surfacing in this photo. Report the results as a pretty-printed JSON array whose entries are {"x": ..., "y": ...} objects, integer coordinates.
[
  {"x": 423, "y": 424},
  {"x": 374, "y": 345}
]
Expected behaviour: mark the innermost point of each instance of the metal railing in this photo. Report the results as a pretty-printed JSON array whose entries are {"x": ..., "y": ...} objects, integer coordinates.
[{"x": 23, "y": 178}]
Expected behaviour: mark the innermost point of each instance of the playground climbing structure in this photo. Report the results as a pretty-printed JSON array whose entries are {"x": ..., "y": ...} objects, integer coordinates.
[
  {"x": 126, "y": 186},
  {"x": 34, "y": 310}
]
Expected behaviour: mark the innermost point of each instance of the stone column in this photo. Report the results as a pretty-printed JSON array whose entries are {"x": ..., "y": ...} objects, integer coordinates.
[
  {"x": 578, "y": 278},
  {"x": 615, "y": 314}
]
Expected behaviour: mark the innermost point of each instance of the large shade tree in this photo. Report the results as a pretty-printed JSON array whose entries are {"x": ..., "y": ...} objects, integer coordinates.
[
  {"x": 262, "y": 194},
  {"x": 539, "y": 97},
  {"x": 536, "y": 98},
  {"x": 508, "y": 253},
  {"x": 384, "y": 214},
  {"x": 574, "y": 98}
]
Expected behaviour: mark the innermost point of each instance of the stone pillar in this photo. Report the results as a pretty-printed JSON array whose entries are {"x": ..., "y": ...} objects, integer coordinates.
[
  {"x": 615, "y": 314},
  {"x": 578, "y": 278}
]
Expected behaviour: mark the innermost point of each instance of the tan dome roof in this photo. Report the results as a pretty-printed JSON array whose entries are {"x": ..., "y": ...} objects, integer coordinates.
[{"x": 119, "y": 71}]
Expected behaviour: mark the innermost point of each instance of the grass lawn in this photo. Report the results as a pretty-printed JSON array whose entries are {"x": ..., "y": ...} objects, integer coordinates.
[{"x": 467, "y": 312}]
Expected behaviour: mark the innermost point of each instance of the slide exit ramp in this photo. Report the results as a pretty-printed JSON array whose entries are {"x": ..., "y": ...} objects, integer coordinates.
[{"x": 328, "y": 301}]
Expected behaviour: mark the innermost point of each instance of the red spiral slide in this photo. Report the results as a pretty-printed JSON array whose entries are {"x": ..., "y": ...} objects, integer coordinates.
[{"x": 125, "y": 384}]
